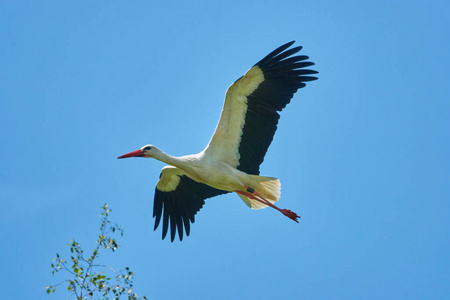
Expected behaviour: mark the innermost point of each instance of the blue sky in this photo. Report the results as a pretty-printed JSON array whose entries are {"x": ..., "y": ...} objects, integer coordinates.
[{"x": 362, "y": 153}]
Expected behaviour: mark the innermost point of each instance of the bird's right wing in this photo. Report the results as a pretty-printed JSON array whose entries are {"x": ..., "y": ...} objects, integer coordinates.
[{"x": 178, "y": 198}]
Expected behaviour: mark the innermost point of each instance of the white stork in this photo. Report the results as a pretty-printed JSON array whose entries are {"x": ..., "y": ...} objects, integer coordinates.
[{"x": 231, "y": 160}]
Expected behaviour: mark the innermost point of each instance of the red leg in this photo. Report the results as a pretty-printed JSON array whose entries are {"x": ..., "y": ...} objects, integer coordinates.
[{"x": 256, "y": 196}]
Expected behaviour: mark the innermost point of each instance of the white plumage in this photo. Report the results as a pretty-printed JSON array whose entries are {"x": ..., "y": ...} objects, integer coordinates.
[{"x": 231, "y": 160}]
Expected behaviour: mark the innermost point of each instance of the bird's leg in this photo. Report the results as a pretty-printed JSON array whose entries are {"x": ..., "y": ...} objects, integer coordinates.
[{"x": 252, "y": 194}]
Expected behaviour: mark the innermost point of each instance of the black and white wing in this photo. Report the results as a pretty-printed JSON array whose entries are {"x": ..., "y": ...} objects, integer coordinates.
[
  {"x": 250, "y": 113},
  {"x": 177, "y": 199}
]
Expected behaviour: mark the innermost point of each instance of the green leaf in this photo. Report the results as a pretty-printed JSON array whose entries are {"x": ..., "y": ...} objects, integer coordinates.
[{"x": 84, "y": 281}]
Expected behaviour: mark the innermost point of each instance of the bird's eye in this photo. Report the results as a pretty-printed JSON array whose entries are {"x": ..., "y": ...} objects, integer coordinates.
[{"x": 147, "y": 148}]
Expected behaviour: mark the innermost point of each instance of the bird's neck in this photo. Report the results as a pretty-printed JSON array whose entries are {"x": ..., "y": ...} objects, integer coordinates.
[{"x": 169, "y": 159}]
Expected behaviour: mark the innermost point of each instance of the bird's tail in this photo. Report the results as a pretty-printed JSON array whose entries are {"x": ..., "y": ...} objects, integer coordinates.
[{"x": 268, "y": 187}]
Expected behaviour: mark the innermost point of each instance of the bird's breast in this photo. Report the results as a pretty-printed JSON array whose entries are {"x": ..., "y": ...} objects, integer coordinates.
[{"x": 221, "y": 177}]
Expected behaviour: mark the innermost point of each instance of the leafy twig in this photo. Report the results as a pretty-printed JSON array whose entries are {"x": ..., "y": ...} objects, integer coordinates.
[{"x": 86, "y": 281}]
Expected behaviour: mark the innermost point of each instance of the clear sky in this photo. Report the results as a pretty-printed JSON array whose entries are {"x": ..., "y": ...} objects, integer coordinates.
[{"x": 362, "y": 153}]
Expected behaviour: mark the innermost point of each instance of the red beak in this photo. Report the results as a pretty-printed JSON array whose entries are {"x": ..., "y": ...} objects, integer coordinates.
[{"x": 137, "y": 153}]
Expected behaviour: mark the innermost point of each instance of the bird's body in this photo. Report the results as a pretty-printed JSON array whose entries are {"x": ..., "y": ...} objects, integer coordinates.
[
  {"x": 204, "y": 168},
  {"x": 231, "y": 160}
]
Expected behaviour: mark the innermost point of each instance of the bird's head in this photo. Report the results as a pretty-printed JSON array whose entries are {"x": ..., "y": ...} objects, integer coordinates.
[{"x": 145, "y": 151}]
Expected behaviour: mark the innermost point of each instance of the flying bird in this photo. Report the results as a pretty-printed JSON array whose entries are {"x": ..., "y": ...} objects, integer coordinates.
[{"x": 231, "y": 160}]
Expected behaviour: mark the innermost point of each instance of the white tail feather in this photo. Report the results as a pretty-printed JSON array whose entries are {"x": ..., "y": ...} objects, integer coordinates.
[{"x": 268, "y": 187}]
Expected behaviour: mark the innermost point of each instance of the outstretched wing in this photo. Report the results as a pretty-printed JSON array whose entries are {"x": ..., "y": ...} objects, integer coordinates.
[
  {"x": 177, "y": 199},
  {"x": 250, "y": 114}
]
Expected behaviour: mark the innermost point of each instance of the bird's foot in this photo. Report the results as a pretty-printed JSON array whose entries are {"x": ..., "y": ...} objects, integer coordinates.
[
  {"x": 252, "y": 194},
  {"x": 290, "y": 214}
]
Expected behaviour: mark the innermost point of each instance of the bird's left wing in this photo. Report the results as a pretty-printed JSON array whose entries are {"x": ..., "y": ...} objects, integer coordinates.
[
  {"x": 177, "y": 199},
  {"x": 250, "y": 113}
]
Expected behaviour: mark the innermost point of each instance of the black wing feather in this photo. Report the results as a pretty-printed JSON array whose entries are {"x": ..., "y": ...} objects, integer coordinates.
[
  {"x": 282, "y": 78},
  {"x": 178, "y": 207}
]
